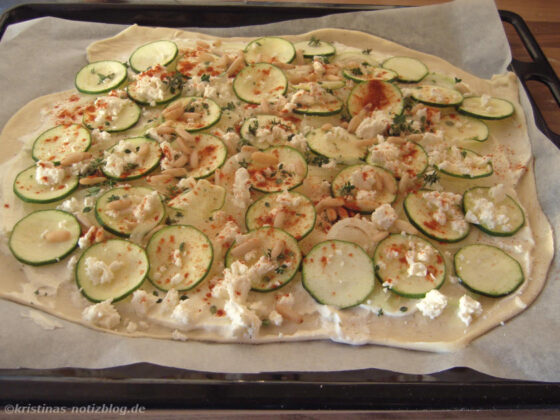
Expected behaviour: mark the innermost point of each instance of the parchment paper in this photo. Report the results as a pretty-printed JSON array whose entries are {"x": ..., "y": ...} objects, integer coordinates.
[{"x": 42, "y": 56}]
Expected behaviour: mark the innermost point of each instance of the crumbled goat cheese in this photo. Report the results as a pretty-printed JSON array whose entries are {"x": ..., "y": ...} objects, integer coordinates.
[
  {"x": 99, "y": 272},
  {"x": 188, "y": 312},
  {"x": 150, "y": 89},
  {"x": 243, "y": 320},
  {"x": 176, "y": 258},
  {"x": 486, "y": 213},
  {"x": 228, "y": 233},
  {"x": 187, "y": 183},
  {"x": 88, "y": 238},
  {"x": 384, "y": 216},
  {"x": 147, "y": 206},
  {"x": 121, "y": 156},
  {"x": 498, "y": 193},
  {"x": 72, "y": 205},
  {"x": 170, "y": 300},
  {"x": 241, "y": 188},
  {"x": 364, "y": 195},
  {"x": 47, "y": 174},
  {"x": 102, "y": 315},
  {"x": 108, "y": 108},
  {"x": 142, "y": 302},
  {"x": 444, "y": 206},
  {"x": 468, "y": 307},
  {"x": 370, "y": 127},
  {"x": 275, "y": 318},
  {"x": 433, "y": 304},
  {"x": 299, "y": 142},
  {"x": 288, "y": 199}
]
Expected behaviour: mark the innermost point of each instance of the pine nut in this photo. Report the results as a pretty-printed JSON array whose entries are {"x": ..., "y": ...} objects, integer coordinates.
[
  {"x": 329, "y": 202},
  {"x": 179, "y": 163},
  {"x": 184, "y": 140},
  {"x": 120, "y": 204},
  {"x": 202, "y": 44},
  {"x": 190, "y": 116},
  {"x": 379, "y": 236},
  {"x": 356, "y": 121},
  {"x": 277, "y": 249},
  {"x": 396, "y": 140},
  {"x": 175, "y": 172},
  {"x": 300, "y": 59},
  {"x": 244, "y": 247},
  {"x": 204, "y": 57},
  {"x": 194, "y": 160},
  {"x": 249, "y": 149},
  {"x": 332, "y": 215},
  {"x": 326, "y": 127},
  {"x": 59, "y": 235},
  {"x": 75, "y": 158},
  {"x": 172, "y": 113},
  {"x": 92, "y": 180},
  {"x": 236, "y": 65},
  {"x": 165, "y": 129},
  {"x": 415, "y": 137},
  {"x": 160, "y": 179},
  {"x": 279, "y": 219},
  {"x": 264, "y": 159}
]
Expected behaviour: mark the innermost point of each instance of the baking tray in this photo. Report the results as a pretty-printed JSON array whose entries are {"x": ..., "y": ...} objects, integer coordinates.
[{"x": 154, "y": 386}]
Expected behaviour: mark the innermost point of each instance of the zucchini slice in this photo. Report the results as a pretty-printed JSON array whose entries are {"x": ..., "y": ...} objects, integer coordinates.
[
  {"x": 364, "y": 72},
  {"x": 365, "y": 187},
  {"x": 121, "y": 210},
  {"x": 44, "y": 237},
  {"x": 111, "y": 114},
  {"x": 58, "y": 142},
  {"x": 29, "y": 190},
  {"x": 486, "y": 107},
  {"x": 437, "y": 215},
  {"x": 325, "y": 84},
  {"x": 200, "y": 113},
  {"x": 353, "y": 59},
  {"x": 298, "y": 217},
  {"x": 338, "y": 144},
  {"x": 438, "y": 79},
  {"x": 457, "y": 127},
  {"x": 315, "y": 48},
  {"x": 112, "y": 270},
  {"x": 100, "y": 77},
  {"x": 260, "y": 82},
  {"x": 180, "y": 257},
  {"x": 283, "y": 267},
  {"x": 408, "y": 69},
  {"x": 263, "y": 131},
  {"x": 487, "y": 270},
  {"x": 495, "y": 215},
  {"x": 319, "y": 101},
  {"x": 155, "y": 87},
  {"x": 378, "y": 95},
  {"x": 131, "y": 158},
  {"x": 269, "y": 49},
  {"x": 212, "y": 153},
  {"x": 383, "y": 303},
  {"x": 464, "y": 163},
  {"x": 286, "y": 171},
  {"x": 338, "y": 273},
  {"x": 153, "y": 53},
  {"x": 409, "y": 265},
  {"x": 437, "y": 95},
  {"x": 399, "y": 158}
]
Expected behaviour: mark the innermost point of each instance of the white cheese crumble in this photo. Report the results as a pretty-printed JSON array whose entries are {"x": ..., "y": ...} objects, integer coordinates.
[
  {"x": 99, "y": 272},
  {"x": 444, "y": 207},
  {"x": 147, "y": 206},
  {"x": 299, "y": 142},
  {"x": 108, "y": 108},
  {"x": 122, "y": 156},
  {"x": 433, "y": 304},
  {"x": 142, "y": 302},
  {"x": 468, "y": 307},
  {"x": 49, "y": 175},
  {"x": 370, "y": 127},
  {"x": 384, "y": 216},
  {"x": 102, "y": 315},
  {"x": 289, "y": 200},
  {"x": 149, "y": 86},
  {"x": 241, "y": 188}
]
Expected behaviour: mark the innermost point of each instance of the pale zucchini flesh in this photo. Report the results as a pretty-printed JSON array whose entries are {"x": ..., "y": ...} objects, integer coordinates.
[
  {"x": 212, "y": 153},
  {"x": 412, "y": 160},
  {"x": 180, "y": 257},
  {"x": 497, "y": 218},
  {"x": 142, "y": 165},
  {"x": 100, "y": 77},
  {"x": 487, "y": 270},
  {"x": 128, "y": 274},
  {"x": 408, "y": 69},
  {"x": 384, "y": 187},
  {"x": 363, "y": 73},
  {"x": 377, "y": 95},
  {"x": 29, "y": 240},
  {"x": 490, "y": 109},
  {"x": 269, "y": 50},
  {"x": 263, "y": 131},
  {"x": 286, "y": 264},
  {"x": 29, "y": 190},
  {"x": 457, "y": 127},
  {"x": 150, "y": 55},
  {"x": 315, "y": 48},
  {"x": 260, "y": 82},
  {"x": 127, "y": 117},
  {"x": 210, "y": 113},
  {"x": 339, "y": 145},
  {"x": 123, "y": 222},
  {"x": 421, "y": 215},
  {"x": 287, "y": 174},
  {"x": 58, "y": 142},
  {"x": 465, "y": 163},
  {"x": 299, "y": 219},
  {"x": 338, "y": 273},
  {"x": 393, "y": 268},
  {"x": 437, "y": 95}
]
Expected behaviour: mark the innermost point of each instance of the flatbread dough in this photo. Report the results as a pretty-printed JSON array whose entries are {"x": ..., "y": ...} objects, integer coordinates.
[{"x": 52, "y": 288}]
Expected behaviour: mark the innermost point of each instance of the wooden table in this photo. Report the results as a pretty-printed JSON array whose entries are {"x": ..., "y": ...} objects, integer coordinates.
[{"x": 543, "y": 19}]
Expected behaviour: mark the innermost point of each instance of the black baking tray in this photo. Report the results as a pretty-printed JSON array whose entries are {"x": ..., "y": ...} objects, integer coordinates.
[{"x": 153, "y": 386}]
